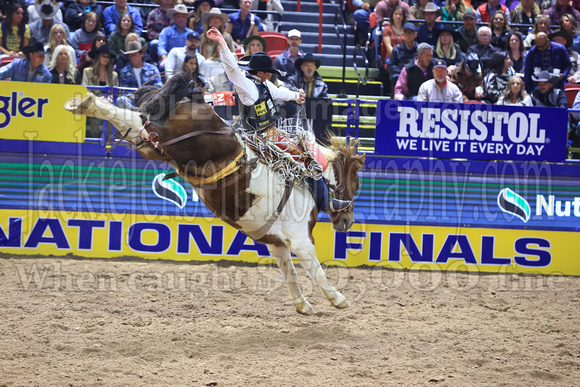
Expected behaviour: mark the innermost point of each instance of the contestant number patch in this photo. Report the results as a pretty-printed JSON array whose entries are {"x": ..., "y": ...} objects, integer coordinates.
[{"x": 261, "y": 109}]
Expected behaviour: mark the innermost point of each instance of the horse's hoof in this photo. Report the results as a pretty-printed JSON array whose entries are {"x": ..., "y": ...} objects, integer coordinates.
[
  {"x": 73, "y": 105},
  {"x": 343, "y": 305},
  {"x": 77, "y": 106},
  {"x": 305, "y": 308}
]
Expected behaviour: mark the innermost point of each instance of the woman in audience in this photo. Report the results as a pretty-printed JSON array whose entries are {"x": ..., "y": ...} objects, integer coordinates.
[
  {"x": 525, "y": 12},
  {"x": 496, "y": 81},
  {"x": 101, "y": 73},
  {"x": 499, "y": 30},
  {"x": 61, "y": 66},
  {"x": 394, "y": 33},
  {"x": 454, "y": 10},
  {"x": 85, "y": 60},
  {"x": 446, "y": 48},
  {"x": 14, "y": 32},
  {"x": 417, "y": 11},
  {"x": 190, "y": 66},
  {"x": 117, "y": 39},
  {"x": 542, "y": 25},
  {"x": 90, "y": 26},
  {"x": 515, "y": 94},
  {"x": 75, "y": 13},
  {"x": 208, "y": 48},
  {"x": 200, "y": 6},
  {"x": 254, "y": 44},
  {"x": 516, "y": 51},
  {"x": 57, "y": 37}
]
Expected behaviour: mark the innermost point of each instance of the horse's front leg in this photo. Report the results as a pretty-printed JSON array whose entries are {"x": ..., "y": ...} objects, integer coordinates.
[
  {"x": 307, "y": 256},
  {"x": 282, "y": 255}
]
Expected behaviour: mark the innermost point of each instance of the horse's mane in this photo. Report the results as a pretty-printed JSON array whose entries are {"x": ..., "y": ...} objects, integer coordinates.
[
  {"x": 158, "y": 104},
  {"x": 349, "y": 152}
]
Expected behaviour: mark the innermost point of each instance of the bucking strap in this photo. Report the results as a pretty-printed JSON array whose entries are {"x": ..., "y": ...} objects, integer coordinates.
[{"x": 259, "y": 233}]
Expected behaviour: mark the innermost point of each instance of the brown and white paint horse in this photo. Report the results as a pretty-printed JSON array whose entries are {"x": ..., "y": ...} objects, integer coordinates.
[{"x": 190, "y": 136}]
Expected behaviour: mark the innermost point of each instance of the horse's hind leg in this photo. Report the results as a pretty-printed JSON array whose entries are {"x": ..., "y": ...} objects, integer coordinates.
[
  {"x": 282, "y": 255},
  {"x": 307, "y": 256}
]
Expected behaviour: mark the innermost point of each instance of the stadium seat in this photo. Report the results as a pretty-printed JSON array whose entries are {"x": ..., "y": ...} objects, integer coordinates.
[
  {"x": 475, "y": 101},
  {"x": 7, "y": 59},
  {"x": 571, "y": 90},
  {"x": 274, "y": 40}
]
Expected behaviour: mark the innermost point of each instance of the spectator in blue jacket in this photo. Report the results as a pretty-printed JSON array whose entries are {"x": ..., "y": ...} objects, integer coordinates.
[
  {"x": 28, "y": 69},
  {"x": 174, "y": 35},
  {"x": 113, "y": 13},
  {"x": 546, "y": 56},
  {"x": 138, "y": 73}
]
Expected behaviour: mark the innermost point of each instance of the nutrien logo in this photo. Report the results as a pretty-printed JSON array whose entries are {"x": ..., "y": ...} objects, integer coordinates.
[{"x": 512, "y": 203}]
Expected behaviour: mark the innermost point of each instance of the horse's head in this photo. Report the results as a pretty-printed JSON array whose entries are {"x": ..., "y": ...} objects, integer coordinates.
[{"x": 346, "y": 183}]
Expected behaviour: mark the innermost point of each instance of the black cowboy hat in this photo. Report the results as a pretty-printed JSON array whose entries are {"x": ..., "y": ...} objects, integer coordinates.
[
  {"x": 35, "y": 47},
  {"x": 307, "y": 57},
  {"x": 473, "y": 63},
  {"x": 260, "y": 61},
  {"x": 196, "y": 3},
  {"x": 448, "y": 28},
  {"x": 564, "y": 34},
  {"x": 104, "y": 49}
]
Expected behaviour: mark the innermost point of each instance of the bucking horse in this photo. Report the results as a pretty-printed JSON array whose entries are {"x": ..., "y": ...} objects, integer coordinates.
[{"x": 175, "y": 125}]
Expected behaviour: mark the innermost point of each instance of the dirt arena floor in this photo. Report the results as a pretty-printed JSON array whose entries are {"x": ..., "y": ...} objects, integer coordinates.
[{"x": 120, "y": 323}]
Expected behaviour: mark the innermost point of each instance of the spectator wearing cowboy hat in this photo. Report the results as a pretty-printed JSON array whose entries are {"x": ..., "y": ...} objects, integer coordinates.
[
  {"x": 256, "y": 95},
  {"x": 468, "y": 77},
  {"x": 545, "y": 55},
  {"x": 307, "y": 78},
  {"x": 243, "y": 23},
  {"x": 138, "y": 73},
  {"x": 564, "y": 38},
  {"x": 40, "y": 29},
  {"x": 285, "y": 61},
  {"x": 254, "y": 44},
  {"x": 31, "y": 68},
  {"x": 34, "y": 10},
  {"x": 157, "y": 19},
  {"x": 113, "y": 13},
  {"x": 545, "y": 94},
  {"x": 177, "y": 55},
  {"x": 175, "y": 34},
  {"x": 429, "y": 32}
]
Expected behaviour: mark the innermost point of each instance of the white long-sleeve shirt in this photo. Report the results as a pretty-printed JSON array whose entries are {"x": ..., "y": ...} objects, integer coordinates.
[{"x": 246, "y": 89}]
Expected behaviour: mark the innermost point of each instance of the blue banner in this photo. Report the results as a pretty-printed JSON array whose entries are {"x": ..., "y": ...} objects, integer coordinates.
[{"x": 471, "y": 131}]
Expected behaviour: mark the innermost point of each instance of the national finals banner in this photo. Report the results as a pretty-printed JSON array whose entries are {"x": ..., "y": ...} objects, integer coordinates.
[{"x": 471, "y": 131}]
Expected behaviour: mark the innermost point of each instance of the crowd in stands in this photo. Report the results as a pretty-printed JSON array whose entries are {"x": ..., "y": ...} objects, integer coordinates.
[{"x": 485, "y": 49}]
